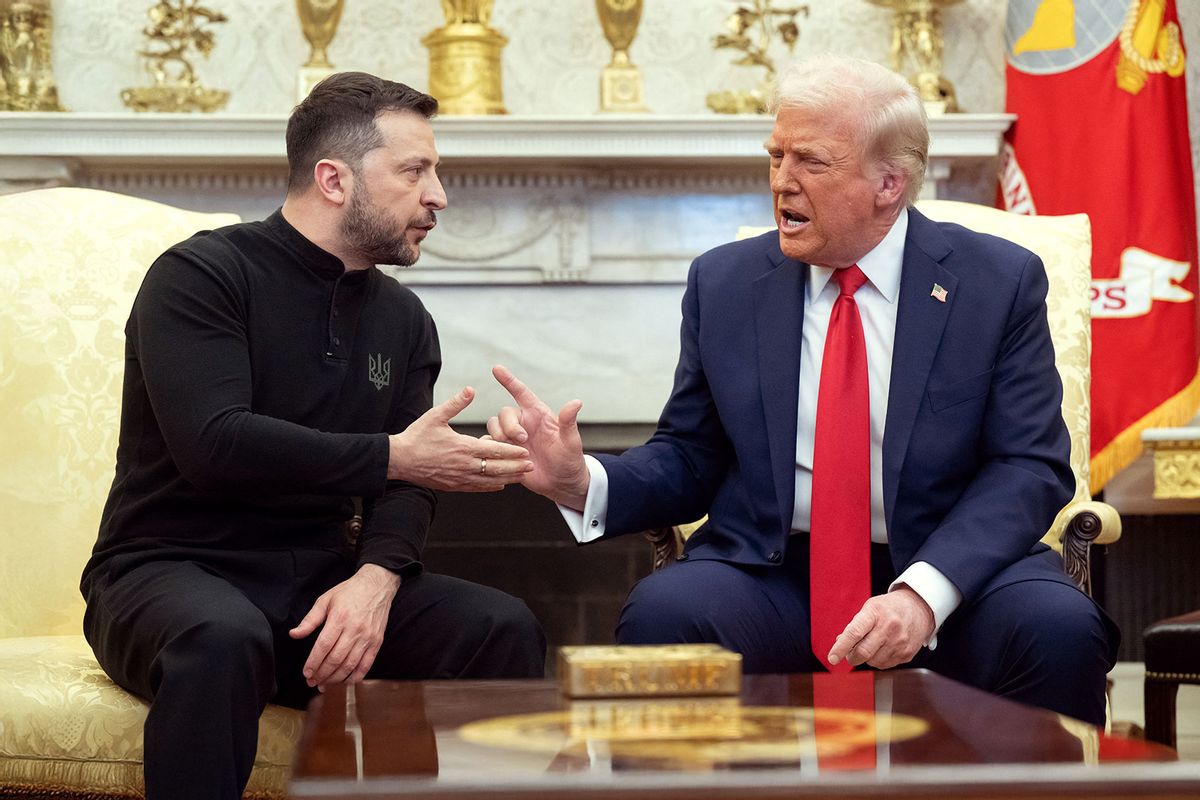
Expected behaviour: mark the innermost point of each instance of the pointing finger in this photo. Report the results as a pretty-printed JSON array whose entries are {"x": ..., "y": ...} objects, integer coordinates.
[
  {"x": 520, "y": 392},
  {"x": 858, "y": 628},
  {"x": 867, "y": 648}
]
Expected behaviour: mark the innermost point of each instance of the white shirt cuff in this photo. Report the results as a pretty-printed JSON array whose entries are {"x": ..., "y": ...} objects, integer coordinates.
[
  {"x": 935, "y": 589},
  {"x": 588, "y": 525}
]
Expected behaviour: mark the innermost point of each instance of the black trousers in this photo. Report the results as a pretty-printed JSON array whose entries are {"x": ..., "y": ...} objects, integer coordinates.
[
  {"x": 206, "y": 643},
  {"x": 1039, "y": 642}
]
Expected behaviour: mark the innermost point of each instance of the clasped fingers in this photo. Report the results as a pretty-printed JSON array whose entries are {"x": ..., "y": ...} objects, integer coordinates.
[
  {"x": 508, "y": 470},
  {"x": 493, "y": 449},
  {"x": 480, "y": 465}
]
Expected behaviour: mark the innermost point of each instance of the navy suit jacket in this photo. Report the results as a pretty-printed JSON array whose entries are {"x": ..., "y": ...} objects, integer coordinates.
[{"x": 975, "y": 451}]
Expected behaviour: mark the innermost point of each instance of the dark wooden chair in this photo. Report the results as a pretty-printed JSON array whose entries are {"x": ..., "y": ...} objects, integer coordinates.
[{"x": 1172, "y": 659}]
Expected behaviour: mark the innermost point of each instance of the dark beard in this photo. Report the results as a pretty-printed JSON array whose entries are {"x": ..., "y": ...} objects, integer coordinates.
[{"x": 372, "y": 234}]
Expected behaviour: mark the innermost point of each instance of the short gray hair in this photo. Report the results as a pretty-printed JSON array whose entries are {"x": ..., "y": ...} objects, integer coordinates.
[{"x": 892, "y": 122}]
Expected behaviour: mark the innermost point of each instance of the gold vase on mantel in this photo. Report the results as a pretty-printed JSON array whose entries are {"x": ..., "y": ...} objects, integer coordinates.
[
  {"x": 464, "y": 60},
  {"x": 26, "y": 78},
  {"x": 917, "y": 38},
  {"x": 621, "y": 88},
  {"x": 318, "y": 21}
]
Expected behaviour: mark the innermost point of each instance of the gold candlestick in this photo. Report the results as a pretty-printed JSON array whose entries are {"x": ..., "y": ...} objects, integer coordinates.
[
  {"x": 917, "y": 37},
  {"x": 26, "y": 79},
  {"x": 318, "y": 21},
  {"x": 464, "y": 60},
  {"x": 621, "y": 88}
]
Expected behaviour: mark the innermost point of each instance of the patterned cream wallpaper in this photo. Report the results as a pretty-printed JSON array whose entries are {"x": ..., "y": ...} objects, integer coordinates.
[{"x": 552, "y": 61}]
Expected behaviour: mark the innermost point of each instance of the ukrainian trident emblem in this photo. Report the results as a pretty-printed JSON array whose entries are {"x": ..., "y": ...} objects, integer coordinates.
[{"x": 379, "y": 372}]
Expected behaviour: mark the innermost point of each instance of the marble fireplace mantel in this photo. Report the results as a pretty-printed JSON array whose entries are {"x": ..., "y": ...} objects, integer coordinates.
[
  {"x": 564, "y": 249},
  {"x": 96, "y": 140}
]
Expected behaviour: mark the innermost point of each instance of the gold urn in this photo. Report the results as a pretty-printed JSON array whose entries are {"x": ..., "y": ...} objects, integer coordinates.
[
  {"x": 26, "y": 76},
  {"x": 917, "y": 38},
  {"x": 318, "y": 21},
  {"x": 621, "y": 88},
  {"x": 464, "y": 60}
]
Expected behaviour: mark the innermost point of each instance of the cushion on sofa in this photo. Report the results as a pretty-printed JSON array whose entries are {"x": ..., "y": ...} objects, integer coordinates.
[{"x": 69, "y": 730}]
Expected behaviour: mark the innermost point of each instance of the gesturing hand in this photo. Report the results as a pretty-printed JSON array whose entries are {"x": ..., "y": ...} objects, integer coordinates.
[
  {"x": 354, "y": 614},
  {"x": 429, "y": 453},
  {"x": 559, "y": 471},
  {"x": 889, "y": 630}
]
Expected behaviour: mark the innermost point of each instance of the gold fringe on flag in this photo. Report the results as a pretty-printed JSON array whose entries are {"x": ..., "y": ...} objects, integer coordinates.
[{"x": 1127, "y": 445}]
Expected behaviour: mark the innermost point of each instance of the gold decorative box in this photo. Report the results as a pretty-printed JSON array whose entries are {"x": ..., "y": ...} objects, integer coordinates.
[{"x": 677, "y": 670}]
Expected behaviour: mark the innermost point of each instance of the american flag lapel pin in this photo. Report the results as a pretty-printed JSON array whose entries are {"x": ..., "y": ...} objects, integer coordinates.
[{"x": 938, "y": 293}]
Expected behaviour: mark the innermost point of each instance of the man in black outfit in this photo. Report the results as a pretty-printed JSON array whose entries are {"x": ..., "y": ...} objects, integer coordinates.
[{"x": 276, "y": 382}]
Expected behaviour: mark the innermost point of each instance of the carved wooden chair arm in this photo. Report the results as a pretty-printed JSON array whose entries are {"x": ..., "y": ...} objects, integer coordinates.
[
  {"x": 668, "y": 542},
  {"x": 1078, "y": 526}
]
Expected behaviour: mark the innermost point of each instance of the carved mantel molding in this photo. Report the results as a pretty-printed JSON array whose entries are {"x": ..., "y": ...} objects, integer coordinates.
[{"x": 101, "y": 143}]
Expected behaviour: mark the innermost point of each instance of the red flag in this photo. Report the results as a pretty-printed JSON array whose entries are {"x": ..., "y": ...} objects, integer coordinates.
[{"x": 1098, "y": 90}]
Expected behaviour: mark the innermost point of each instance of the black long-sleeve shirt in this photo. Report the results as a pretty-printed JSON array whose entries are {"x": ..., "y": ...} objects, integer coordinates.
[{"x": 261, "y": 381}]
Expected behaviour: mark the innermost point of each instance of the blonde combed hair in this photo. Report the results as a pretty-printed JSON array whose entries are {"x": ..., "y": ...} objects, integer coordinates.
[{"x": 893, "y": 127}]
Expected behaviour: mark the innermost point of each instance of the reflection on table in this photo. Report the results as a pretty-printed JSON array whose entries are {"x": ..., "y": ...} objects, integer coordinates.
[{"x": 895, "y": 727}]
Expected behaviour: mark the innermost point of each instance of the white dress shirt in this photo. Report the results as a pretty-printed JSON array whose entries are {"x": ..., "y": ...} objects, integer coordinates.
[{"x": 877, "y": 304}]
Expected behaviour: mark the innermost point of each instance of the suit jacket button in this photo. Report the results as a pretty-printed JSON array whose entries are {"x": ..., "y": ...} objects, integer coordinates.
[
  {"x": 681, "y": 557},
  {"x": 775, "y": 557}
]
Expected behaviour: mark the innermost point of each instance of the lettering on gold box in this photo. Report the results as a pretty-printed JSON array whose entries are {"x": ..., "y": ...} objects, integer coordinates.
[
  {"x": 649, "y": 670},
  {"x": 659, "y": 718}
]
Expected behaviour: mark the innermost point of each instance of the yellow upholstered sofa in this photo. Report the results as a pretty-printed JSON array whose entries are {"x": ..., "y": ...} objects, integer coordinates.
[
  {"x": 1065, "y": 247},
  {"x": 71, "y": 261}
]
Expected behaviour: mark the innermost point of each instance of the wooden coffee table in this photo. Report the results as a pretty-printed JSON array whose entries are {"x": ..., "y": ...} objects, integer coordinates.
[{"x": 928, "y": 736}]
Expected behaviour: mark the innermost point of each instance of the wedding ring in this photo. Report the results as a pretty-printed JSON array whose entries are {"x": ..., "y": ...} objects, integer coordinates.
[{"x": 483, "y": 466}]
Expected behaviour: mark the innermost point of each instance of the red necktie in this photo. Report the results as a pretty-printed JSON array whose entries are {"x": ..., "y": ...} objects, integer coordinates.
[
  {"x": 844, "y": 723},
  {"x": 840, "y": 529}
]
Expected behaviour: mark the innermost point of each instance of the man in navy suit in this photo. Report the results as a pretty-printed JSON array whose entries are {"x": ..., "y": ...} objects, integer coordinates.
[{"x": 968, "y": 452}]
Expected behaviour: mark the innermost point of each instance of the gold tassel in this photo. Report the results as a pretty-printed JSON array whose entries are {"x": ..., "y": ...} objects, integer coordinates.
[{"x": 1127, "y": 445}]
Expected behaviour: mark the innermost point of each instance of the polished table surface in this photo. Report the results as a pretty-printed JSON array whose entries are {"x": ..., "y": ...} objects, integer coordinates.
[{"x": 916, "y": 734}]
